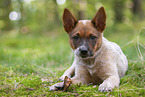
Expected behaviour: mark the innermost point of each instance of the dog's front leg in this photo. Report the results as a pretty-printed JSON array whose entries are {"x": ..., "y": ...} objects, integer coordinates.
[
  {"x": 57, "y": 86},
  {"x": 69, "y": 72},
  {"x": 82, "y": 75},
  {"x": 109, "y": 83}
]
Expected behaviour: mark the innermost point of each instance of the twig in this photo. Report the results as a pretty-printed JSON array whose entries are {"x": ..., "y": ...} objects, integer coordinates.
[
  {"x": 136, "y": 41},
  {"x": 134, "y": 61},
  {"x": 128, "y": 43},
  {"x": 141, "y": 56},
  {"x": 142, "y": 45}
]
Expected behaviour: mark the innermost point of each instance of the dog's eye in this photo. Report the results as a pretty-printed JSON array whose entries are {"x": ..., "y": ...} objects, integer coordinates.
[
  {"x": 76, "y": 37},
  {"x": 93, "y": 37}
]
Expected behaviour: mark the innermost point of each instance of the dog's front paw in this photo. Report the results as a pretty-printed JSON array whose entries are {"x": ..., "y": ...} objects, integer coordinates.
[
  {"x": 105, "y": 88},
  {"x": 57, "y": 86}
]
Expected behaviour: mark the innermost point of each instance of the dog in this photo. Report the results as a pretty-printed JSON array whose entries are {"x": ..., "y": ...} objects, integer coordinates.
[{"x": 97, "y": 60}]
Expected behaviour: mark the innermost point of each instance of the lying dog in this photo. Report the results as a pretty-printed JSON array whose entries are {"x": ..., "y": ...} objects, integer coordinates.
[{"x": 97, "y": 60}]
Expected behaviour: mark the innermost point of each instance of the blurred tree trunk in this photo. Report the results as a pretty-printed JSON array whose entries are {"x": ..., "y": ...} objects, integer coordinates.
[
  {"x": 82, "y": 8},
  {"x": 6, "y": 7},
  {"x": 118, "y": 9},
  {"x": 137, "y": 8},
  {"x": 57, "y": 20},
  {"x": 22, "y": 15}
]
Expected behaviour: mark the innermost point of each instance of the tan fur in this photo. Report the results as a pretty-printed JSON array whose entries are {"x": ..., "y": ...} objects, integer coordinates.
[{"x": 108, "y": 62}]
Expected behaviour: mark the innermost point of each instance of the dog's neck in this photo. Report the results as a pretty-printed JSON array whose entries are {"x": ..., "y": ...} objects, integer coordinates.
[{"x": 98, "y": 52}]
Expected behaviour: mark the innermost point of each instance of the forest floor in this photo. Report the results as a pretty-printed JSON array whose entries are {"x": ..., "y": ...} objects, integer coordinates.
[{"x": 30, "y": 64}]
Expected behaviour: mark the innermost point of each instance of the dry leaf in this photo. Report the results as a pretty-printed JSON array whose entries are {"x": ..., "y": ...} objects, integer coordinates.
[{"x": 67, "y": 83}]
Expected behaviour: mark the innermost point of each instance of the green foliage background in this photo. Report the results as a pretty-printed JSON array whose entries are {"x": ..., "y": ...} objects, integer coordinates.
[{"x": 34, "y": 50}]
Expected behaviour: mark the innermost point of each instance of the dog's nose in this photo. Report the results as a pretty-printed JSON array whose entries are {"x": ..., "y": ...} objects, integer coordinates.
[{"x": 83, "y": 51}]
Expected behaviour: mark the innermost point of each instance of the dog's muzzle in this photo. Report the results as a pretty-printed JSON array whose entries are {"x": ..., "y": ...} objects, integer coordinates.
[{"x": 83, "y": 52}]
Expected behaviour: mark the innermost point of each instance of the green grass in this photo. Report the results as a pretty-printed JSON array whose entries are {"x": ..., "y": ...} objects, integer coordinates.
[{"x": 27, "y": 60}]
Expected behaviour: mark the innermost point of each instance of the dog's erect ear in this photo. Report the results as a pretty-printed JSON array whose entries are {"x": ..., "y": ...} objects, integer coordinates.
[
  {"x": 69, "y": 21},
  {"x": 99, "y": 21}
]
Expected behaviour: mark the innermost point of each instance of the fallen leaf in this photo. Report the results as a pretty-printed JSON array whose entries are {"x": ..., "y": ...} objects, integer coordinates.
[{"x": 67, "y": 83}]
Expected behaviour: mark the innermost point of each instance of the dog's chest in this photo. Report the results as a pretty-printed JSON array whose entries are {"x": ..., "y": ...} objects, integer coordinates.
[{"x": 91, "y": 66}]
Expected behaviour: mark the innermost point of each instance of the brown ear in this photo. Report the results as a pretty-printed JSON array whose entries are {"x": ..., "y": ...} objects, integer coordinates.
[
  {"x": 69, "y": 21},
  {"x": 99, "y": 21}
]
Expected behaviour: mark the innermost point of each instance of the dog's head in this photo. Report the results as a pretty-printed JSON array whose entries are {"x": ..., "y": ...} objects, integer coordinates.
[{"x": 85, "y": 36}]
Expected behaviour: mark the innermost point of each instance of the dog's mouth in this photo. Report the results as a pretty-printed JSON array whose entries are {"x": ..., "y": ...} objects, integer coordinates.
[{"x": 86, "y": 56}]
